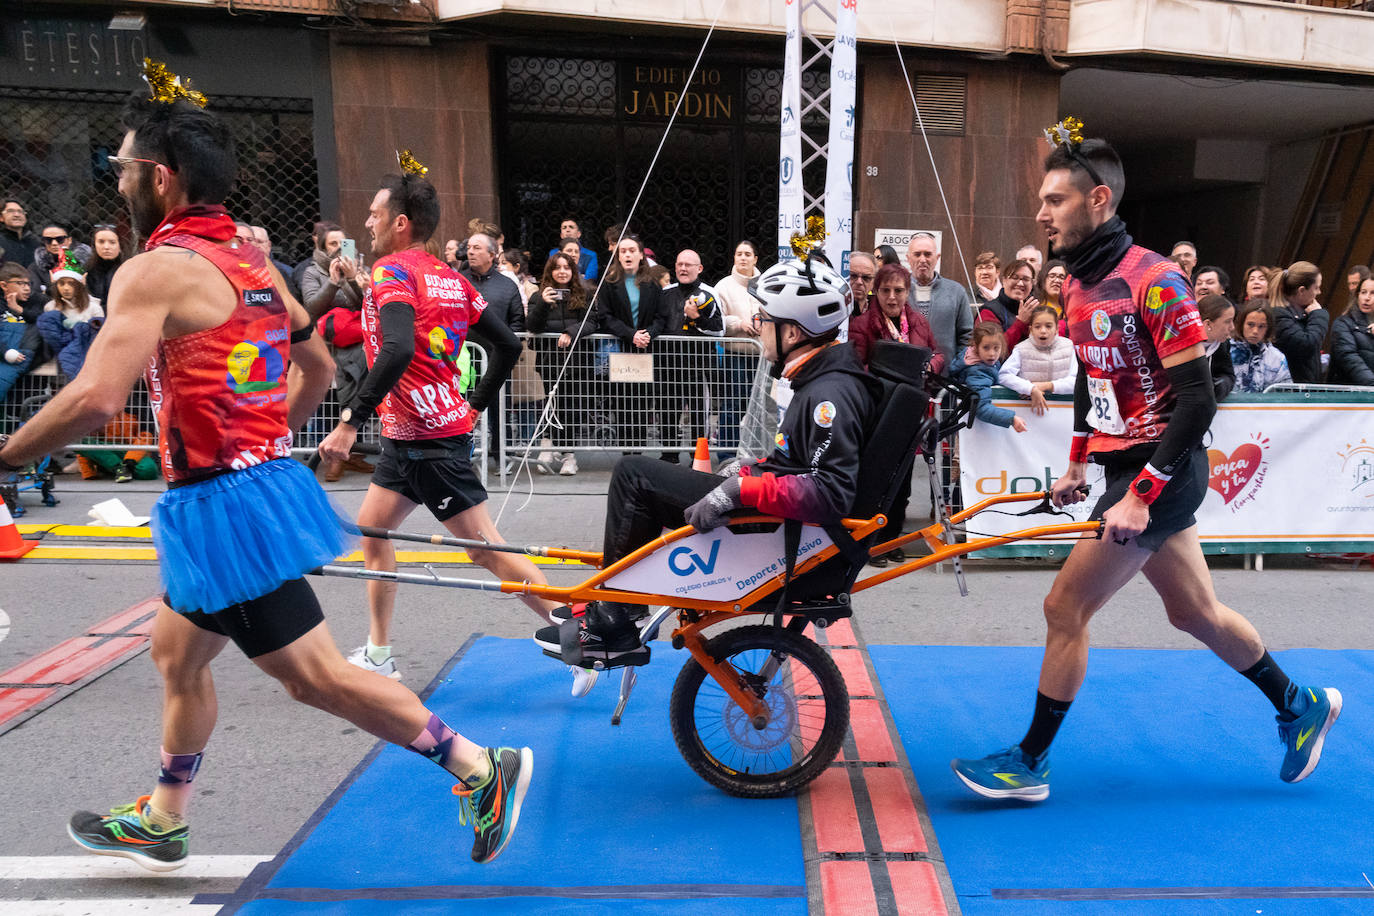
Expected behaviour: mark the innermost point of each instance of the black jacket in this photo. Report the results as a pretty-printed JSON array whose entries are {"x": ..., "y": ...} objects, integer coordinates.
[
  {"x": 18, "y": 247},
  {"x": 820, "y": 439},
  {"x": 612, "y": 314},
  {"x": 1352, "y": 349},
  {"x": 1299, "y": 336},
  {"x": 711, "y": 318},
  {"x": 503, "y": 300},
  {"x": 558, "y": 318},
  {"x": 1223, "y": 371}
]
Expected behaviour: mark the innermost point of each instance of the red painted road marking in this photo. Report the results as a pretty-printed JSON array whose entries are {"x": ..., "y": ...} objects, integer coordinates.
[
  {"x": 871, "y": 736},
  {"x": 893, "y": 809},
  {"x": 840, "y": 633},
  {"x": 73, "y": 661},
  {"x": 847, "y": 889},
  {"x": 851, "y": 665},
  {"x": 15, "y": 701},
  {"x": 832, "y": 809},
  {"x": 916, "y": 888}
]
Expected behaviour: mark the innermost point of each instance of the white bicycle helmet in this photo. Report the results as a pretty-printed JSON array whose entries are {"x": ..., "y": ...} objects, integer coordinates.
[{"x": 810, "y": 293}]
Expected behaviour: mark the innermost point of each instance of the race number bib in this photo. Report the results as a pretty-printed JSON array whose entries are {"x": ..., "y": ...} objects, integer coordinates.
[{"x": 1104, "y": 415}]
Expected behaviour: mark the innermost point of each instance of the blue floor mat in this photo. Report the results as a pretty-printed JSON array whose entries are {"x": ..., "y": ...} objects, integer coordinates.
[
  {"x": 1165, "y": 776},
  {"x": 613, "y": 813}
]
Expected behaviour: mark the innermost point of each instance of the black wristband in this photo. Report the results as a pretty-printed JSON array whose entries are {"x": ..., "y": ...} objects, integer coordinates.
[
  {"x": 303, "y": 334},
  {"x": 5, "y": 466}
]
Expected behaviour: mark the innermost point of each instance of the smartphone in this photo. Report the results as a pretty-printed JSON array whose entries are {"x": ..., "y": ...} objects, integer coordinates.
[{"x": 348, "y": 249}]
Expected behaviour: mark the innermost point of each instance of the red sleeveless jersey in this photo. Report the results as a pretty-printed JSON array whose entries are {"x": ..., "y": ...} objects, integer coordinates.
[
  {"x": 1122, "y": 327},
  {"x": 220, "y": 393},
  {"x": 426, "y": 403}
]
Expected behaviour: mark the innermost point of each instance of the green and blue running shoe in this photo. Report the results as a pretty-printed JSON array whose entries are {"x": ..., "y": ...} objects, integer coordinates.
[
  {"x": 1317, "y": 709},
  {"x": 493, "y": 808},
  {"x": 1009, "y": 773},
  {"x": 125, "y": 832}
]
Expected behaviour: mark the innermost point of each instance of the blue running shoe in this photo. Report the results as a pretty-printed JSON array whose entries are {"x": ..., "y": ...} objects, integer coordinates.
[
  {"x": 1317, "y": 709},
  {"x": 1009, "y": 773},
  {"x": 493, "y": 808},
  {"x": 126, "y": 833}
]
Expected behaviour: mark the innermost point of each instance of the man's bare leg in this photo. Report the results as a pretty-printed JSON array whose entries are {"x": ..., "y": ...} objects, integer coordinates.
[
  {"x": 381, "y": 508},
  {"x": 476, "y": 524}
]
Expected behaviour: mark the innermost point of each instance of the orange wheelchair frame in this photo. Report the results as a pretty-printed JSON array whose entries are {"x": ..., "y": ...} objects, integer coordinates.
[{"x": 770, "y": 744}]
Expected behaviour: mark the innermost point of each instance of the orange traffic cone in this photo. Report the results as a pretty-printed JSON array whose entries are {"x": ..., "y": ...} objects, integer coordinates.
[
  {"x": 702, "y": 460},
  {"x": 12, "y": 546}
]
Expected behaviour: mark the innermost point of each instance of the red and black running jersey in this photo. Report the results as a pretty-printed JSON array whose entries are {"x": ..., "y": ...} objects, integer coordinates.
[
  {"x": 426, "y": 403},
  {"x": 1121, "y": 328},
  {"x": 220, "y": 393}
]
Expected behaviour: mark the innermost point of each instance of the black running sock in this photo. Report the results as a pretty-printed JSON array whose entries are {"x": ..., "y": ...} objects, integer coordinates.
[
  {"x": 1049, "y": 715},
  {"x": 1270, "y": 679}
]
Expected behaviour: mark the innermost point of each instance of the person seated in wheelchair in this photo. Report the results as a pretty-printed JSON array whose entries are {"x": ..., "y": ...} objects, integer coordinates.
[{"x": 825, "y": 401}]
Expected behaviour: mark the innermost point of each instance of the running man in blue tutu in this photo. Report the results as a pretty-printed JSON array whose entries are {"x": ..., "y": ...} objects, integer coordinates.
[{"x": 241, "y": 522}]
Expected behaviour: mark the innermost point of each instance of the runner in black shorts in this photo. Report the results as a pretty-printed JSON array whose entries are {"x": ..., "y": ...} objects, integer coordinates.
[
  {"x": 416, "y": 314},
  {"x": 1142, "y": 405}
]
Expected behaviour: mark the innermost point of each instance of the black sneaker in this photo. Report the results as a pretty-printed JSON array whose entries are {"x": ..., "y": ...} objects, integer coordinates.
[
  {"x": 493, "y": 808},
  {"x": 126, "y": 833},
  {"x": 604, "y": 634},
  {"x": 567, "y": 612}
]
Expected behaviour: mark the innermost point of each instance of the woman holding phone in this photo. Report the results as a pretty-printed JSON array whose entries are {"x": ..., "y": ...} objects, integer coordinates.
[{"x": 559, "y": 306}]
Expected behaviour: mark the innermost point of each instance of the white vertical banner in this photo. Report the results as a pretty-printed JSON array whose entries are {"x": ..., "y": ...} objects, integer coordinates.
[
  {"x": 791, "y": 201},
  {"x": 839, "y": 165}
]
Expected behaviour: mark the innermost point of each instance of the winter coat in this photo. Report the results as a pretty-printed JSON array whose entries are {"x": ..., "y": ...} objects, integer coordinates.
[
  {"x": 981, "y": 377},
  {"x": 1299, "y": 334},
  {"x": 15, "y": 335},
  {"x": 612, "y": 313},
  {"x": 1029, "y": 364},
  {"x": 1352, "y": 349},
  {"x": 1258, "y": 366},
  {"x": 872, "y": 326}
]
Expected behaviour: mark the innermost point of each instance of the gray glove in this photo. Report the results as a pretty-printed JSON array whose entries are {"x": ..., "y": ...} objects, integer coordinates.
[
  {"x": 712, "y": 510},
  {"x": 732, "y": 467}
]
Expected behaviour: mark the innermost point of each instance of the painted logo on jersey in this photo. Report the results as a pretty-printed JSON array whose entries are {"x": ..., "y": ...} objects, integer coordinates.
[
  {"x": 444, "y": 342},
  {"x": 1166, "y": 293},
  {"x": 1101, "y": 324},
  {"x": 824, "y": 414},
  {"x": 780, "y": 440},
  {"x": 388, "y": 273},
  {"x": 1239, "y": 475},
  {"x": 253, "y": 366}
]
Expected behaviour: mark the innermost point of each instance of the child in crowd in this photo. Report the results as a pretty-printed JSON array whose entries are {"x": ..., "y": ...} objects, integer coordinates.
[
  {"x": 70, "y": 321},
  {"x": 1258, "y": 363},
  {"x": 1041, "y": 364},
  {"x": 977, "y": 368}
]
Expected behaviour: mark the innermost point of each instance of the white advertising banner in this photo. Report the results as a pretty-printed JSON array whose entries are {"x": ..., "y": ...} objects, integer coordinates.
[
  {"x": 899, "y": 239},
  {"x": 791, "y": 201},
  {"x": 1296, "y": 473},
  {"x": 839, "y": 165},
  {"x": 716, "y": 565}
]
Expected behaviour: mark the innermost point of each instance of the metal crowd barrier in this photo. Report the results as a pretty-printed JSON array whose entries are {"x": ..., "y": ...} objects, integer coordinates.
[{"x": 608, "y": 400}]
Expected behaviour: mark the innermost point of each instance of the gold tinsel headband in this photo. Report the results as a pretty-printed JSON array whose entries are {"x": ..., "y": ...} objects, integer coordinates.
[
  {"x": 1068, "y": 133},
  {"x": 167, "y": 87},
  {"x": 410, "y": 165},
  {"x": 803, "y": 243}
]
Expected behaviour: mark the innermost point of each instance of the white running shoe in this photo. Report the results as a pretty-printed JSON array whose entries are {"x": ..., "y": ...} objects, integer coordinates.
[
  {"x": 385, "y": 669},
  {"x": 569, "y": 467},
  {"x": 544, "y": 464},
  {"x": 584, "y": 679}
]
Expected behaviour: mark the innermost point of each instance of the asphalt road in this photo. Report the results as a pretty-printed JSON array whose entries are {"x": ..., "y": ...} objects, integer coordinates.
[{"x": 272, "y": 762}]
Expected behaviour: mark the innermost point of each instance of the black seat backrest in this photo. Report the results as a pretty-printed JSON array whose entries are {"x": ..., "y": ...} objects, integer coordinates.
[{"x": 894, "y": 434}]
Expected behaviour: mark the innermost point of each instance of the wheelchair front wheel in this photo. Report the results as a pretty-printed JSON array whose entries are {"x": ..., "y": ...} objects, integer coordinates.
[{"x": 808, "y": 713}]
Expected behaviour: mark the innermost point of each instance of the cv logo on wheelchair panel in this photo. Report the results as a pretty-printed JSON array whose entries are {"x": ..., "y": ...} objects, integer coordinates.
[{"x": 684, "y": 561}]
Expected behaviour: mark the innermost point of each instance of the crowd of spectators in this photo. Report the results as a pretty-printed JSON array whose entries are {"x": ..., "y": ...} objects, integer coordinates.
[{"x": 1006, "y": 329}]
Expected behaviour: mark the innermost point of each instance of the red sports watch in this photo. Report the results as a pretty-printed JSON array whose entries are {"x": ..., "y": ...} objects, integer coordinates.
[{"x": 1149, "y": 484}]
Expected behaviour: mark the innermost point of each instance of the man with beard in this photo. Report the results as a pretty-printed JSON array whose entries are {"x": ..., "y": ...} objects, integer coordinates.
[
  {"x": 241, "y": 522},
  {"x": 416, "y": 315},
  {"x": 1142, "y": 404}
]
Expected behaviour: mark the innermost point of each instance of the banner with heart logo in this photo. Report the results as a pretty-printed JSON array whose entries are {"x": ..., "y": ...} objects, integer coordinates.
[{"x": 1290, "y": 470}]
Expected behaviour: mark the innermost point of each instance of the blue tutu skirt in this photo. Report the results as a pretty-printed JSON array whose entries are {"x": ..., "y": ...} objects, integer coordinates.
[{"x": 242, "y": 534}]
